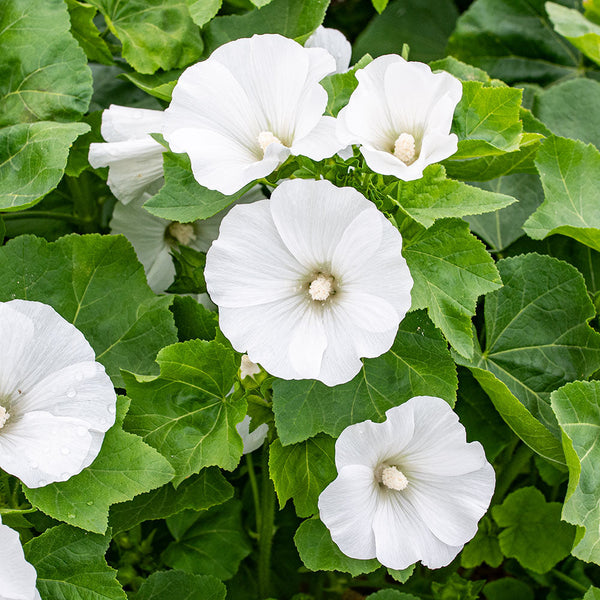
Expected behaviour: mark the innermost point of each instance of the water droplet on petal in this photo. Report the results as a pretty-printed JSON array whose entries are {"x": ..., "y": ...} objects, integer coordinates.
[
  {"x": 71, "y": 393},
  {"x": 42, "y": 483},
  {"x": 64, "y": 476},
  {"x": 33, "y": 465},
  {"x": 65, "y": 451},
  {"x": 111, "y": 409}
]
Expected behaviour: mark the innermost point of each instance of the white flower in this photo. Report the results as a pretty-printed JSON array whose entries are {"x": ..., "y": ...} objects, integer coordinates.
[
  {"x": 134, "y": 159},
  {"x": 56, "y": 402},
  {"x": 254, "y": 440},
  {"x": 408, "y": 489},
  {"x": 153, "y": 238},
  {"x": 401, "y": 114},
  {"x": 17, "y": 576},
  {"x": 309, "y": 281},
  {"x": 335, "y": 43},
  {"x": 255, "y": 101}
]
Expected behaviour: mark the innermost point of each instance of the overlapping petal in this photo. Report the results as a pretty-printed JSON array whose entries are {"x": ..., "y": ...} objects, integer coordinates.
[
  {"x": 57, "y": 402},
  {"x": 265, "y": 85},
  {"x": 335, "y": 42},
  {"x": 393, "y": 98},
  {"x": 261, "y": 268},
  {"x": 447, "y": 488}
]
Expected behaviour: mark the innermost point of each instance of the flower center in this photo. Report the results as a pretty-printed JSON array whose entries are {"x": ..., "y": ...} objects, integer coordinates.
[
  {"x": 4, "y": 416},
  {"x": 266, "y": 138},
  {"x": 392, "y": 478},
  {"x": 404, "y": 148},
  {"x": 182, "y": 232},
  {"x": 321, "y": 287}
]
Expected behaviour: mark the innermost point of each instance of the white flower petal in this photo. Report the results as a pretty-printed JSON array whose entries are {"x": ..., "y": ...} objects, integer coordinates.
[
  {"x": 308, "y": 343},
  {"x": 40, "y": 448},
  {"x": 350, "y": 521},
  {"x": 335, "y": 43},
  {"x": 367, "y": 443},
  {"x": 248, "y": 238},
  {"x": 386, "y": 163},
  {"x": 121, "y": 123},
  {"x": 135, "y": 166},
  {"x": 312, "y": 216},
  {"x": 252, "y": 440},
  {"x": 16, "y": 333},
  {"x": 321, "y": 142},
  {"x": 452, "y": 506},
  {"x": 402, "y": 538},
  {"x": 17, "y": 576}
]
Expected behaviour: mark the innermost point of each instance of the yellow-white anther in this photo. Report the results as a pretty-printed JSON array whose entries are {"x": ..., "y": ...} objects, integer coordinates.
[
  {"x": 266, "y": 138},
  {"x": 404, "y": 148},
  {"x": 4, "y": 416},
  {"x": 184, "y": 233},
  {"x": 321, "y": 287},
  {"x": 394, "y": 479}
]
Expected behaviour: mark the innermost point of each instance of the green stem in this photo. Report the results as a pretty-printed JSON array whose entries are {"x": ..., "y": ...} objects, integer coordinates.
[
  {"x": 254, "y": 487},
  {"x": 267, "y": 528},
  {"x": 570, "y": 581},
  {"x": 38, "y": 214}
]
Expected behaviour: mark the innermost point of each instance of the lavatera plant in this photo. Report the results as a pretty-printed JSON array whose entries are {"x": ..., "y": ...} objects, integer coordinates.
[{"x": 281, "y": 324}]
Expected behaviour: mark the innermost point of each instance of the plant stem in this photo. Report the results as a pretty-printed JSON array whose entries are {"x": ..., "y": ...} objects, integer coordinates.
[
  {"x": 511, "y": 471},
  {"x": 37, "y": 214},
  {"x": 254, "y": 486},
  {"x": 570, "y": 581},
  {"x": 266, "y": 530}
]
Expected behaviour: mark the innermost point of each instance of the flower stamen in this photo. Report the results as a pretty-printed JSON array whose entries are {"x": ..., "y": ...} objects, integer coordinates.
[
  {"x": 393, "y": 478},
  {"x": 4, "y": 417},
  {"x": 266, "y": 138},
  {"x": 183, "y": 233},
  {"x": 321, "y": 287},
  {"x": 405, "y": 149}
]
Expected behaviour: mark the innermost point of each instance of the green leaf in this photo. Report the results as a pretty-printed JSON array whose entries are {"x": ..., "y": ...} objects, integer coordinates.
[
  {"x": 577, "y": 408},
  {"x": 160, "y": 85},
  {"x": 486, "y": 120},
  {"x": 339, "y": 86},
  {"x": 592, "y": 594},
  {"x": 193, "y": 321},
  {"x": 457, "y": 588},
  {"x": 417, "y": 364},
  {"x": 391, "y": 595},
  {"x": 124, "y": 468},
  {"x": 202, "y": 11},
  {"x": 501, "y": 228},
  {"x": 169, "y": 585},
  {"x": 434, "y": 197},
  {"x": 295, "y": 19},
  {"x": 461, "y": 70},
  {"x": 570, "y": 174},
  {"x": 582, "y": 33},
  {"x": 70, "y": 564},
  {"x": 86, "y": 33},
  {"x": 569, "y": 110},
  {"x": 402, "y": 575},
  {"x": 214, "y": 544},
  {"x": 196, "y": 428},
  {"x": 44, "y": 75},
  {"x": 33, "y": 157},
  {"x": 197, "y": 492},
  {"x": 508, "y": 588},
  {"x": 451, "y": 269},
  {"x": 484, "y": 547},
  {"x": 424, "y": 27},
  {"x": 534, "y": 533},
  {"x": 83, "y": 277},
  {"x": 302, "y": 471},
  {"x": 319, "y": 553},
  {"x": 156, "y": 34},
  {"x": 513, "y": 40},
  {"x": 536, "y": 435},
  {"x": 379, "y": 5},
  {"x": 182, "y": 198},
  {"x": 537, "y": 336}
]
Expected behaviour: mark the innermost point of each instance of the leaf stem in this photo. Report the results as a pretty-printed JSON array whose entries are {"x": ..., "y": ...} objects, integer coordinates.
[
  {"x": 570, "y": 581},
  {"x": 254, "y": 487},
  {"x": 267, "y": 528}
]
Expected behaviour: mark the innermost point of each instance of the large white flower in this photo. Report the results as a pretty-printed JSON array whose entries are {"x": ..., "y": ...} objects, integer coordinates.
[
  {"x": 17, "y": 576},
  {"x": 56, "y": 402},
  {"x": 408, "y": 489},
  {"x": 401, "y": 114},
  {"x": 153, "y": 238},
  {"x": 309, "y": 281},
  {"x": 335, "y": 43},
  {"x": 133, "y": 157},
  {"x": 255, "y": 101}
]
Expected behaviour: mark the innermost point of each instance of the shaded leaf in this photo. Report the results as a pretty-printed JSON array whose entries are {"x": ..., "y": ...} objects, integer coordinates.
[{"x": 171, "y": 585}]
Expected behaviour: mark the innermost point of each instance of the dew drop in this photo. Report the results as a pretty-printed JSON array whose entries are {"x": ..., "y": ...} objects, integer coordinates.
[
  {"x": 65, "y": 451},
  {"x": 71, "y": 393},
  {"x": 65, "y": 476},
  {"x": 90, "y": 502},
  {"x": 111, "y": 409},
  {"x": 42, "y": 483},
  {"x": 33, "y": 465},
  {"x": 71, "y": 516}
]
